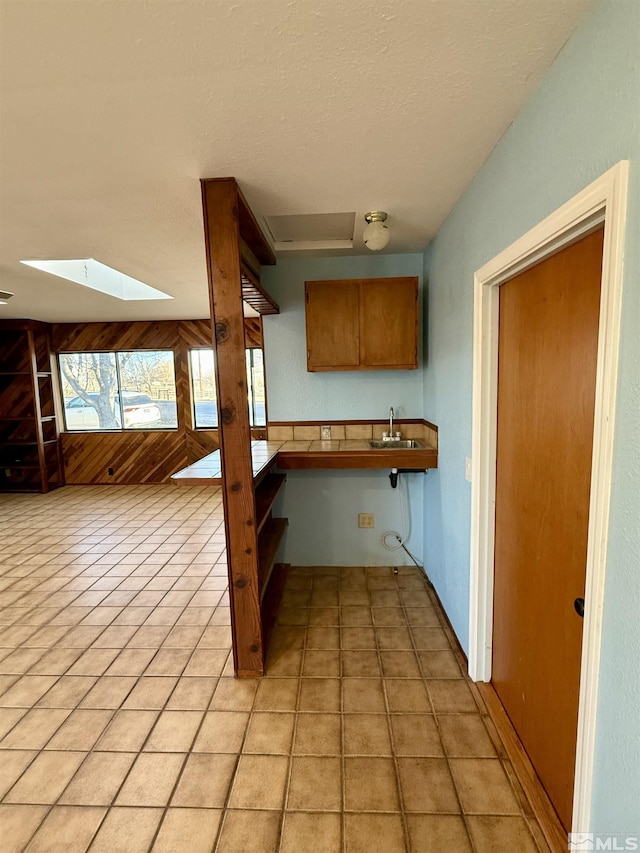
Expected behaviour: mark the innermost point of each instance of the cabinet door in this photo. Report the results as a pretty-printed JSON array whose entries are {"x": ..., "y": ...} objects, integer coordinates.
[
  {"x": 389, "y": 323},
  {"x": 332, "y": 325}
]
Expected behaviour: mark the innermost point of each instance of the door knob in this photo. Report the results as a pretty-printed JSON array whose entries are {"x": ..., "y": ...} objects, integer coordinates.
[{"x": 578, "y": 605}]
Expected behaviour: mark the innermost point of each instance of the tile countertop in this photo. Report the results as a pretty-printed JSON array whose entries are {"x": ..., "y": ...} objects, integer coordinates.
[{"x": 292, "y": 455}]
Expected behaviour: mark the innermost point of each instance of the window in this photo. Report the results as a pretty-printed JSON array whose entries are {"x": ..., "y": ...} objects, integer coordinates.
[
  {"x": 255, "y": 386},
  {"x": 114, "y": 391},
  {"x": 203, "y": 388}
]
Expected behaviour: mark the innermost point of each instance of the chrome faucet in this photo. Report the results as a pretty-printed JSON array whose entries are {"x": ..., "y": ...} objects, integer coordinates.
[{"x": 389, "y": 436}]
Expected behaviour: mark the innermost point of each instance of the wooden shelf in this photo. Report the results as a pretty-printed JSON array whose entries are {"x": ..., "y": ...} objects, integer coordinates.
[
  {"x": 21, "y": 478},
  {"x": 270, "y": 604},
  {"x": 6, "y": 486},
  {"x": 268, "y": 544},
  {"x": 266, "y": 493},
  {"x": 20, "y": 456},
  {"x": 27, "y": 391}
]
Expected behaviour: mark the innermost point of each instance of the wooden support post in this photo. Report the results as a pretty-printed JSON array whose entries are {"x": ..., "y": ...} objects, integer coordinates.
[{"x": 221, "y": 203}]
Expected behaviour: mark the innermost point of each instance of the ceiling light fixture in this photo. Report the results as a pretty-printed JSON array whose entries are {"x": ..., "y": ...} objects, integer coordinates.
[
  {"x": 5, "y": 296},
  {"x": 376, "y": 233}
]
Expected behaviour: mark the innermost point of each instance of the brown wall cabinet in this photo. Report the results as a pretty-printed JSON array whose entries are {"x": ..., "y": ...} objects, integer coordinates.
[
  {"x": 29, "y": 442},
  {"x": 362, "y": 324}
]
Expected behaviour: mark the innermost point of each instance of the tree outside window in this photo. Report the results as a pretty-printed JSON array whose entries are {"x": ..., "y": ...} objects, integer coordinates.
[
  {"x": 124, "y": 390},
  {"x": 92, "y": 378}
]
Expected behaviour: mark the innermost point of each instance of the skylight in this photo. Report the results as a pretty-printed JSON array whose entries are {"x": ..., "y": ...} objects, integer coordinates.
[{"x": 97, "y": 276}]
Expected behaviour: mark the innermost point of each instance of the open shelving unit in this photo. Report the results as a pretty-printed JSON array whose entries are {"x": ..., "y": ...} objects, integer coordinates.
[
  {"x": 271, "y": 531},
  {"x": 30, "y": 459},
  {"x": 268, "y": 544}
]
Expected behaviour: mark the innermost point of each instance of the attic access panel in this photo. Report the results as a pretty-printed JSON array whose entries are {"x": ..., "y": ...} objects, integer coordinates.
[{"x": 312, "y": 231}]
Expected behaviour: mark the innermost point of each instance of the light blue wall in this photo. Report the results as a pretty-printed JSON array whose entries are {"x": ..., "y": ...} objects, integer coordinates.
[
  {"x": 323, "y": 506},
  {"x": 583, "y": 119},
  {"x": 295, "y": 394}
]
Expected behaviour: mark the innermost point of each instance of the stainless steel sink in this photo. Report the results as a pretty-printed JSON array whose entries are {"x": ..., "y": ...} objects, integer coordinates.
[{"x": 396, "y": 444}]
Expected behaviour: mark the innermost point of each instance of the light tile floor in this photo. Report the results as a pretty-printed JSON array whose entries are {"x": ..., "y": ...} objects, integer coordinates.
[{"x": 122, "y": 728}]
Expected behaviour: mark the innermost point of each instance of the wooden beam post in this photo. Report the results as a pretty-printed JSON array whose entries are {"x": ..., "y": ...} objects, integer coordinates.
[{"x": 220, "y": 198}]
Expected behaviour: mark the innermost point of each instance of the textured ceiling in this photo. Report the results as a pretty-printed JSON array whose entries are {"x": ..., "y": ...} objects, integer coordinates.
[{"x": 111, "y": 111}]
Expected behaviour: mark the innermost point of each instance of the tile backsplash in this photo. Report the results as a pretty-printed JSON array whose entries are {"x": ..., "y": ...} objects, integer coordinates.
[{"x": 351, "y": 430}]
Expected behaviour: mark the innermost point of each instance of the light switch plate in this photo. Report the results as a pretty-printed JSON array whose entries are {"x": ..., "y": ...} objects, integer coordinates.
[
  {"x": 467, "y": 468},
  {"x": 325, "y": 433}
]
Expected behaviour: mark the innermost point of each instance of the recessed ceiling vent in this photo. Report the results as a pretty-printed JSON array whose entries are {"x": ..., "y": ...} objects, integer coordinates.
[
  {"x": 309, "y": 231},
  {"x": 5, "y": 296}
]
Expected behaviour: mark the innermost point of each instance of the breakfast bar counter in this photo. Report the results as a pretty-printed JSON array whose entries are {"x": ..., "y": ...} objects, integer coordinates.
[{"x": 307, "y": 455}]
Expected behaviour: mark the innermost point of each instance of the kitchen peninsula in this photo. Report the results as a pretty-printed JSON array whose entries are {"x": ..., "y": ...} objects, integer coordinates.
[{"x": 290, "y": 455}]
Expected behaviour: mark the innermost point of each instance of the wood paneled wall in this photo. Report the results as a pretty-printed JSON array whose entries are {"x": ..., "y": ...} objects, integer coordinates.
[
  {"x": 139, "y": 456},
  {"x": 134, "y": 457},
  {"x": 84, "y": 337}
]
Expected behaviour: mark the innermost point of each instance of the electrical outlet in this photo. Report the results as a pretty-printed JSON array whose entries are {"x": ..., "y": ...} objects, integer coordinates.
[
  {"x": 366, "y": 519},
  {"x": 467, "y": 468},
  {"x": 325, "y": 433}
]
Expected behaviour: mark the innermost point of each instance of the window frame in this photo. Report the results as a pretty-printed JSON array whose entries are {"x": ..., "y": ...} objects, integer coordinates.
[
  {"x": 250, "y": 388},
  {"x": 119, "y": 393}
]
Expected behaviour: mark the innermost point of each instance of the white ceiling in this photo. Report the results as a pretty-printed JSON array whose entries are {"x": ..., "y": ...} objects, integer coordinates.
[{"x": 112, "y": 110}]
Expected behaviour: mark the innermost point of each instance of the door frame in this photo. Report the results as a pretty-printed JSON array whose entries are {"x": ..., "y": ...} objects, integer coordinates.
[{"x": 603, "y": 201}]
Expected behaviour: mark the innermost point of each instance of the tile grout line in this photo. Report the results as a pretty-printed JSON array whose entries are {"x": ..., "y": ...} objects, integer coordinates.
[
  {"x": 396, "y": 763},
  {"x": 189, "y": 752},
  {"x": 484, "y": 715},
  {"x": 38, "y": 754},
  {"x": 437, "y": 723},
  {"x": 232, "y": 778},
  {"x": 294, "y": 733},
  {"x": 191, "y": 567},
  {"x": 91, "y": 751},
  {"x": 141, "y": 674},
  {"x": 140, "y": 750}
]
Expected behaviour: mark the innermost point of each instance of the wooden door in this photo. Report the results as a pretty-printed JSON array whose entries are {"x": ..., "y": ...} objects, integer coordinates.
[
  {"x": 389, "y": 323},
  {"x": 546, "y": 390},
  {"x": 332, "y": 324}
]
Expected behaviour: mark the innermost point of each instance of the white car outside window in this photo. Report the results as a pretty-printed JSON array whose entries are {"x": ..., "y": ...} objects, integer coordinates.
[{"x": 139, "y": 412}]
